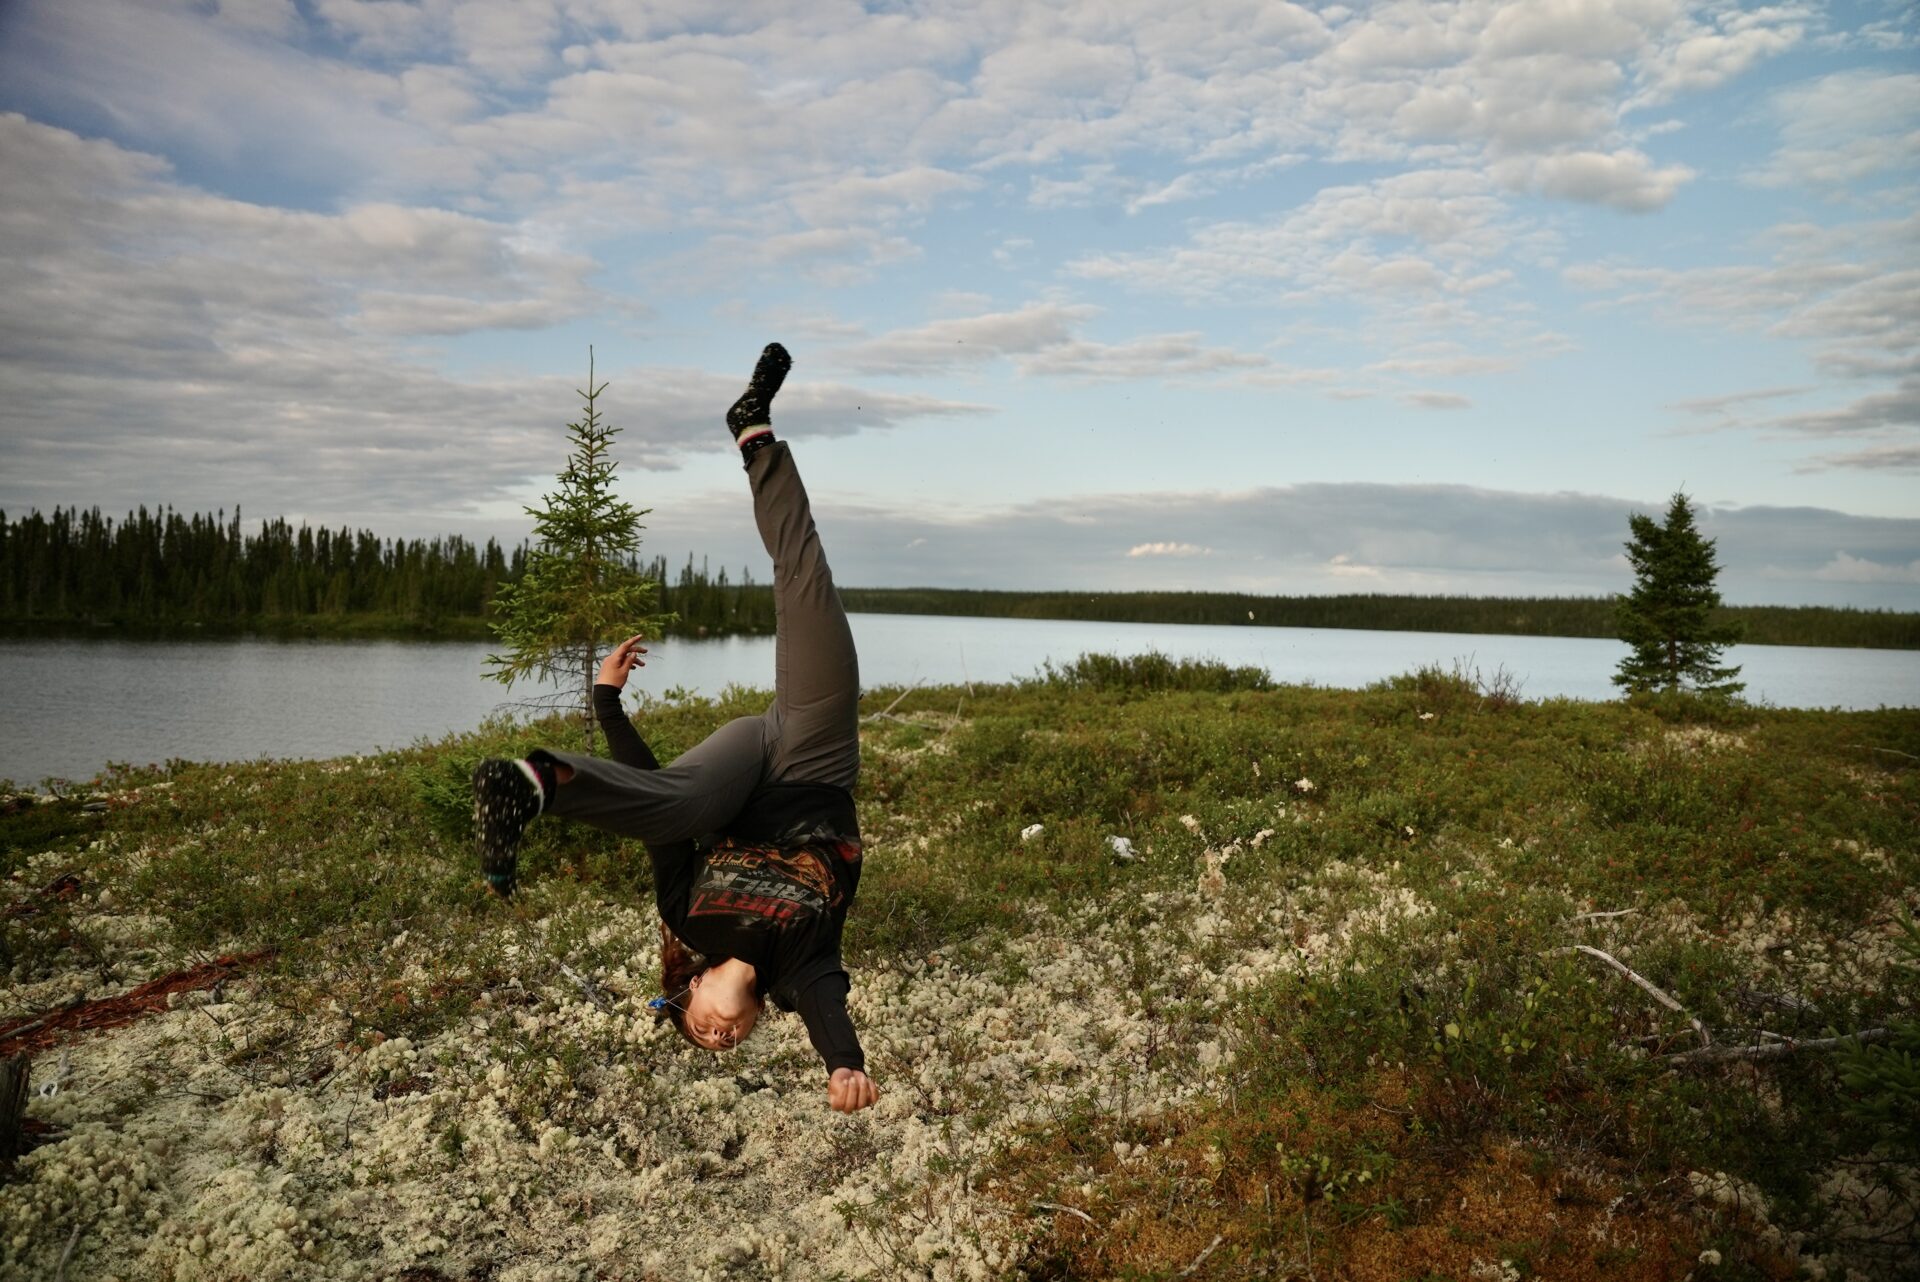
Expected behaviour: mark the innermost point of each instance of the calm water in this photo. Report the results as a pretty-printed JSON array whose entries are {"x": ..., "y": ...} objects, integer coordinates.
[{"x": 69, "y": 707}]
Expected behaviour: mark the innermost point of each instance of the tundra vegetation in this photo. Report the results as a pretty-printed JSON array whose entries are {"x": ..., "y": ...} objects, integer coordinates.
[{"x": 1163, "y": 971}]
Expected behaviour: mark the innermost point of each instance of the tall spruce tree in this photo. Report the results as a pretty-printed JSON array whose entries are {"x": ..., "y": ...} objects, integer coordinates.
[
  {"x": 1668, "y": 618},
  {"x": 582, "y": 588}
]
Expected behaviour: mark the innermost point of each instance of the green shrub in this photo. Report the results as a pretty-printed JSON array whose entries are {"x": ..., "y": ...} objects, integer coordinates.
[{"x": 1153, "y": 672}]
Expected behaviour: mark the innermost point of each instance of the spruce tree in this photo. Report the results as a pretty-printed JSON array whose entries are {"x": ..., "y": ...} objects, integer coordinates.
[
  {"x": 1668, "y": 618},
  {"x": 581, "y": 588}
]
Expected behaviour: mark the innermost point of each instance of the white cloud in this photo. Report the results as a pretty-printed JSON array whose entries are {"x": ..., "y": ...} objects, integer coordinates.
[
  {"x": 1342, "y": 566},
  {"x": 167, "y": 344},
  {"x": 1424, "y": 232},
  {"x": 1625, "y": 180},
  {"x": 967, "y": 340},
  {"x": 772, "y": 122},
  {"x": 1903, "y": 457},
  {"x": 1846, "y": 128},
  {"x": 1699, "y": 55},
  {"x": 1042, "y": 339},
  {"x": 1154, "y": 356},
  {"x": 1846, "y": 568},
  {"x": 1428, "y": 400},
  {"x": 1723, "y": 406},
  {"x": 859, "y": 197},
  {"x": 1167, "y": 549},
  {"x": 1846, "y": 291}
]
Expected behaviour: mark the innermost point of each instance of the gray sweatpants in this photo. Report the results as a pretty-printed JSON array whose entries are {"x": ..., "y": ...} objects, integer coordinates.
[{"x": 811, "y": 734}]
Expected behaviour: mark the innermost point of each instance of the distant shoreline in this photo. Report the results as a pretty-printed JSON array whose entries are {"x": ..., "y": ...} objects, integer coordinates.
[{"x": 1824, "y": 626}]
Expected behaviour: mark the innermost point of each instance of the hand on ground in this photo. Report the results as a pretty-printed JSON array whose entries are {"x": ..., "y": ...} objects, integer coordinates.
[
  {"x": 849, "y": 1090},
  {"x": 615, "y": 668}
]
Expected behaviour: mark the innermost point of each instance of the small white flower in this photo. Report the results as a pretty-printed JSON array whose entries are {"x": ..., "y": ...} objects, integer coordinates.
[
  {"x": 1031, "y": 831},
  {"x": 1303, "y": 784},
  {"x": 1121, "y": 847},
  {"x": 1709, "y": 1257},
  {"x": 1426, "y": 716}
]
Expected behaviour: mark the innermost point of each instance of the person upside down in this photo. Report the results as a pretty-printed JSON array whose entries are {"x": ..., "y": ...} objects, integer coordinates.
[{"x": 752, "y": 833}]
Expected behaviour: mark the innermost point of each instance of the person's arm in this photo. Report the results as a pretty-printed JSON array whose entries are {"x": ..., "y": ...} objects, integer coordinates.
[
  {"x": 623, "y": 741},
  {"x": 672, "y": 861},
  {"x": 822, "y": 1007}
]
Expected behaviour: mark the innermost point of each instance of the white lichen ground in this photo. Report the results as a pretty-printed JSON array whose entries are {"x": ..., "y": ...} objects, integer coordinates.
[{"x": 552, "y": 1136}]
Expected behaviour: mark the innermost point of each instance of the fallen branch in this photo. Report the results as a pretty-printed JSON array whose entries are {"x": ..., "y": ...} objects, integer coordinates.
[
  {"x": 112, "y": 1012},
  {"x": 1892, "y": 752},
  {"x": 15, "y": 1032},
  {"x": 1618, "y": 912},
  {"x": 1651, "y": 989},
  {"x": 66, "y": 1256},
  {"x": 1753, "y": 999},
  {"x": 587, "y": 986},
  {"x": 1776, "y": 1050},
  {"x": 1067, "y": 1210},
  {"x": 874, "y": 716},
  {"x": 1201, "y": 1258}
]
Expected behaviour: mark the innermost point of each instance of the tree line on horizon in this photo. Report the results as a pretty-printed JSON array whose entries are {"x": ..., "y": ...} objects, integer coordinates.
[{"x": 162, "y": 573}]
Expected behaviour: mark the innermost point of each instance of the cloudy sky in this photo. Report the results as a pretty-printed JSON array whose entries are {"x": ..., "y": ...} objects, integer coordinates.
[{"x": 1237, "y": 294}]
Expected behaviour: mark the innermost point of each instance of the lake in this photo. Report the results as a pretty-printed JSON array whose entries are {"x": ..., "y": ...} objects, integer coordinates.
[{"x": 71, "y": 706}]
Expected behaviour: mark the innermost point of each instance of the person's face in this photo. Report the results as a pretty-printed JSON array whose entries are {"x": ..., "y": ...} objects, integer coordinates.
[{"x": 719, "y": 1021}]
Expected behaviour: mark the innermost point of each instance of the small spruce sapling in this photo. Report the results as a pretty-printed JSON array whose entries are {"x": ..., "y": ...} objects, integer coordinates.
[
  {"x": 1668, "y": 618},
  {"x": 582, "y": 588}
]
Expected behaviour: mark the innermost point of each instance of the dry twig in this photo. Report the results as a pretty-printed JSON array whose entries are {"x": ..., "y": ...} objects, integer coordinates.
[
  {"x": 1893, "y": 752},
  {"x": 1651, "y": 989},
  {"x": 73, "y": 1240},
  {"x": 587, "y": 986},
  {"x": 1201, "y": 1258},
  {"x": 1775, "y": 1050},
  {"x": 1618, "y": 912},
  {"x": 1067, "y": 1210},
  {"x": 887, "y": 711}
]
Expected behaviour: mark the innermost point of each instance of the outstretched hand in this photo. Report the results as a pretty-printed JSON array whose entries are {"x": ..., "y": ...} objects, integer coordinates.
[
  {"x": 615, "y": 668},
  {"x": 849, "y": 1090}
]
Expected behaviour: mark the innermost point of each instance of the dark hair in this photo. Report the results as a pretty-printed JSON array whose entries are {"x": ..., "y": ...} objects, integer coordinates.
[{"x": 679, "y": 965}]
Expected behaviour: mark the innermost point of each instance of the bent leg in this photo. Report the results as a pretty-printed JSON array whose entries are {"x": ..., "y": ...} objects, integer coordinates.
[
  {"x": 698, "y": 794},
  {"x": 815, "y": 720}
]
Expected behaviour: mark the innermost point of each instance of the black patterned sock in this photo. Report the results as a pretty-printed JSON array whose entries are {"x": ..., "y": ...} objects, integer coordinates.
[{"x": 751, "y": 417}]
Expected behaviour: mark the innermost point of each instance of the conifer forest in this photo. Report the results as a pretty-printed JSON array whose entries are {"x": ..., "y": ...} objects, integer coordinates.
[{"x": 164, "y": 573}]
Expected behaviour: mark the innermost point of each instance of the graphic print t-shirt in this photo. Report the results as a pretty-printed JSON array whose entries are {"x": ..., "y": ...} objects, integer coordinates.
[{"x": 779, "y": 904}]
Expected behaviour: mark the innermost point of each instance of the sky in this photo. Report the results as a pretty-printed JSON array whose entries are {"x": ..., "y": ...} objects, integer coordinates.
[{"x": 1225, "y": 295}]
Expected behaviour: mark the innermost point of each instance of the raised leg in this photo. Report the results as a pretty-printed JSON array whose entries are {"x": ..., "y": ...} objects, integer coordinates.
[
  {"x": 698, "y": 794},
  {"x": 815, "y": 719}
]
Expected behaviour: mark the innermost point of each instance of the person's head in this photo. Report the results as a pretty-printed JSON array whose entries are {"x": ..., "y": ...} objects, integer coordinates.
[{"x": 713, "y": 1014}]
